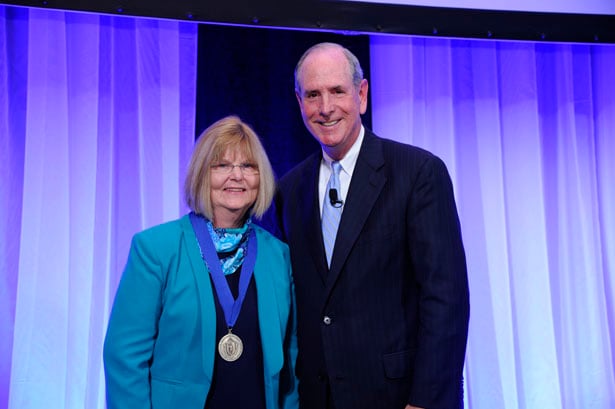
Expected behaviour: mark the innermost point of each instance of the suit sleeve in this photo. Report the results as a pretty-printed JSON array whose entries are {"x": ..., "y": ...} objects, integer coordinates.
[
  {"x": 132, "y": 330},
  {"x": 271, "y": 220},
  {"x": 436, "y": 248}
]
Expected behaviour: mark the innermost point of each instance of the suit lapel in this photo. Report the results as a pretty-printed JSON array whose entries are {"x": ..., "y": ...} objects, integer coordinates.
[
  {"x": 310, "y": 214},
  {"x": 268, "y": 316},
  {"x": 205, "y": 291},
  {"x": 365, "y": 186}
]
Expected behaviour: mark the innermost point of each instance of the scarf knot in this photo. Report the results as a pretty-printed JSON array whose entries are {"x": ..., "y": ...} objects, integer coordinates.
[{"x": 231, "y": 244}]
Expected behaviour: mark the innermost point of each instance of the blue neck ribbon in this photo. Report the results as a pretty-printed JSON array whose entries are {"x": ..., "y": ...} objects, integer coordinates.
[{"x": 230, "y": 306}]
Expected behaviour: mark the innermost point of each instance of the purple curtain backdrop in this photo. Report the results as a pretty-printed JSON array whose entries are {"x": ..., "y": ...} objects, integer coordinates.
[
  {"x": 528, "y": 132},
  {"x": 96, "y": 127}
]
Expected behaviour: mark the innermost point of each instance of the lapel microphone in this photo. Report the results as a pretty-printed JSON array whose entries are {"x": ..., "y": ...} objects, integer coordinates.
[{"x": 334, "y": 199}]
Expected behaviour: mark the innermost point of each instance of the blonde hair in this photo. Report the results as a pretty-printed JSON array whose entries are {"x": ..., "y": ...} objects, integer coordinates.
[{"x": 227, "y": 133}]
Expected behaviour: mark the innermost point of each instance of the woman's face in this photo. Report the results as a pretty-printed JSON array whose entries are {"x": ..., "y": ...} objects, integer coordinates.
[{"x": 234, "y": 182}]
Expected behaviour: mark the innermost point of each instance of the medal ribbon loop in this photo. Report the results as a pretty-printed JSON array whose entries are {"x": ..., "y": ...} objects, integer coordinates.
[{"x": 230, "y": 306}]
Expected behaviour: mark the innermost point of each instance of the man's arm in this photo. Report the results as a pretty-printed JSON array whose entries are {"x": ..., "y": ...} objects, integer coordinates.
[{"x": 438, "y": 257}]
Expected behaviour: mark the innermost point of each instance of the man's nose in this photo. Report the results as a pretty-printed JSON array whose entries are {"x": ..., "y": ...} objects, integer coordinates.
[{"x": 326, "y": 105}]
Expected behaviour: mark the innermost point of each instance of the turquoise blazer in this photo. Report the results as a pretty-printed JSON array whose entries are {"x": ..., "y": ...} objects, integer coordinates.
[{"x": 161, "y": 339}]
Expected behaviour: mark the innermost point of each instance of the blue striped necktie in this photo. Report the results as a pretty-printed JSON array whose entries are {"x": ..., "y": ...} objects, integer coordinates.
[{"x": 331, "y": 213}]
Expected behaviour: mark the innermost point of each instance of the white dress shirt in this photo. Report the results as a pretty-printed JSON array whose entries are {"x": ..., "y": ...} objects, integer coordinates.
[{"x": 348, "y": 163}]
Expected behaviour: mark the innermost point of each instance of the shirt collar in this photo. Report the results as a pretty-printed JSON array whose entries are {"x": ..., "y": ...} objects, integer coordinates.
[{"x": 349, "y": 161}]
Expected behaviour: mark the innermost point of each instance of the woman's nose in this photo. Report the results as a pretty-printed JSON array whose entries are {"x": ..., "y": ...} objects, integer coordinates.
[{"x": 236, "y": 172}]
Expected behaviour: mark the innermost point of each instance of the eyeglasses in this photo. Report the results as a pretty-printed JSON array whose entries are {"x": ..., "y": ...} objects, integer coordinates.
[{"x": 225, "y": 168}]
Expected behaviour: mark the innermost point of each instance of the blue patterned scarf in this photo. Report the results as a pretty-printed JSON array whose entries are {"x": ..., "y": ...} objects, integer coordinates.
[{"x": 231, "y": 245}]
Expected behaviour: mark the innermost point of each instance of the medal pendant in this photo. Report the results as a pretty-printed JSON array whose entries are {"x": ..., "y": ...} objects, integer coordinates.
[{"x": 230, "y": 347}]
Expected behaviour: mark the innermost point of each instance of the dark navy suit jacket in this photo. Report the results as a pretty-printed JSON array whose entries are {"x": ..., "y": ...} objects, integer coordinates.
[{"x": 387, "y": 324}]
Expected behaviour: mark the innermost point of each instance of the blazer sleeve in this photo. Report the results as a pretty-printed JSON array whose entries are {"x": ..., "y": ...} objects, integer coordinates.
[
  {"x": 132, "y": 328},
  {"x": 436, "y": 248},
  {"x": 289, "y": 395}
]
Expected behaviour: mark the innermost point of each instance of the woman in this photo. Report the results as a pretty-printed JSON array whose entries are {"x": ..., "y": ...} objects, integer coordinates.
[{"x": 204, "y": 313}]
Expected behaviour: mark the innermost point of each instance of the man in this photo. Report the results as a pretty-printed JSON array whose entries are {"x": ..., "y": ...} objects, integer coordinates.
[{"x": 385, "y": 325}]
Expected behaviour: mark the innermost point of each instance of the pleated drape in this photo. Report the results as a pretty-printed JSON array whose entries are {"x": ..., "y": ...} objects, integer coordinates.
[{"x": 96, "y": 128}]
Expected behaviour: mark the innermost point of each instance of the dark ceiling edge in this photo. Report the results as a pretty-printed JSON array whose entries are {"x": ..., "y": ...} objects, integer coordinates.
[{"x": 360, "y": 18}]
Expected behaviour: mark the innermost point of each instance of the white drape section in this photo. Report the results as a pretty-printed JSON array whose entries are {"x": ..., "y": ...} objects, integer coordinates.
[
  {"x": 528, "y": 133},
  {"x": 96, "y": 128}
]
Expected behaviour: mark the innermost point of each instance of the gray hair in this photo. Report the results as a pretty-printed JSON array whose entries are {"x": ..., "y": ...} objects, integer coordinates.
[{"x": 356, "y": 72}]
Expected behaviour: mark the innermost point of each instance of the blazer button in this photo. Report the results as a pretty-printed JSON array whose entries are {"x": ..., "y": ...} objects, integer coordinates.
[{"x": 327, "y": 320}]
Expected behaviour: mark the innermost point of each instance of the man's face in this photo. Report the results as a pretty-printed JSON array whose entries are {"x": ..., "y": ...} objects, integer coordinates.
[{"x": 331, "y": 106}]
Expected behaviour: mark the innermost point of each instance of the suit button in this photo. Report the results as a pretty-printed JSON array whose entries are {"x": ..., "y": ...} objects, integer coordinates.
[{"x": 327, "y": 320}]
